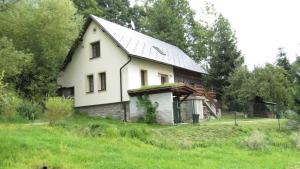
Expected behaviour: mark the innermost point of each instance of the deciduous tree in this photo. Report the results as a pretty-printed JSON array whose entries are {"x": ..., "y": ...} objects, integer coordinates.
[{"x": 45, "y": 28}]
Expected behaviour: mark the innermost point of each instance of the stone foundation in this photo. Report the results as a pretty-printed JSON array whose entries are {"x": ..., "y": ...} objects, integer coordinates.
[{"x": 114, "y": 110}]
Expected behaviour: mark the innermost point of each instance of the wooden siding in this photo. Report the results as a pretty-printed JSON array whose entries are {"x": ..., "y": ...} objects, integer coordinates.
[{"x": 187, "y": 77}]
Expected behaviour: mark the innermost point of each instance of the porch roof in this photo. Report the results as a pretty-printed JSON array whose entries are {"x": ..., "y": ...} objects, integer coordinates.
[{"x": 177, "y": 89}]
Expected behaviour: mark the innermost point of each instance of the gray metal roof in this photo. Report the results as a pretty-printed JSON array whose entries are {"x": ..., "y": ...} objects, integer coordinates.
[{"x": 140, "y": 45}]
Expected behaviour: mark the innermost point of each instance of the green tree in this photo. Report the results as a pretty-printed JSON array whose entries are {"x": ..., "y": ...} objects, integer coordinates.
[
  {"x": 6, "y": 4},
  {"x": 137, "y": 13},
  {"x": 117, "y": 11},
  {"x": 296, "y": 85},
  {"x": 241, "y": 89},
  {"x": 170, "y": 21},
  {"x": 268, "y": 82},
  {"x": 14, "y": 63},
  {"x": 283, "y": 61},
  {"x": 88, "y": 7},
  {"x": 272, "y": 85},
  {"x": 45, "y": 28},
  {"x": 225, "y": 57}
]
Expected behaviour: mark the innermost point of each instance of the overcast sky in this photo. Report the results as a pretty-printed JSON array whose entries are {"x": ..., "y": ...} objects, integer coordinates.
[{"x": 261, "y": 27}]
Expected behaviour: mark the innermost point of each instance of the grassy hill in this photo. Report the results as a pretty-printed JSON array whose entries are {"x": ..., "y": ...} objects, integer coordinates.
[{"x": 85, "y": 142}]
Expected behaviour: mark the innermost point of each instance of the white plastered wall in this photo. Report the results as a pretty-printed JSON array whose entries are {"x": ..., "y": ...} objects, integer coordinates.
[
  {"x": 153, "y": 72},
  {"x": 164, "y": 113},
  {"x": 111, "y": 59}
]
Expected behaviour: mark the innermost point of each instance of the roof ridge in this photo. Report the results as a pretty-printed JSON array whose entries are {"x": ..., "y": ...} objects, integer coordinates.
[
  {"x": 179, "y": 59},
  {"x": 143, "y": 34}
]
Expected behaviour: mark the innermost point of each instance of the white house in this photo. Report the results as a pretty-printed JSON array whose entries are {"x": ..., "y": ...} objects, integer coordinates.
[{"x": 108, "y": 60}]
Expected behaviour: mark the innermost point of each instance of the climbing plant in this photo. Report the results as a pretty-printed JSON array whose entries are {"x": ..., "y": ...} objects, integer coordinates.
[{"x": 150, "y": 108}]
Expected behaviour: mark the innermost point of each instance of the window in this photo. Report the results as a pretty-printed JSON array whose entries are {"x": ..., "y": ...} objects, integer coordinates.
[
  {"x": 143, "y": 77},
  {"x": 95, "y": 49},
  {"x": 159, "y": 50},
  {"x": 164, "y": 79},
  {"x": 102, "y": 79},
  {"x": 90, "y": 79},
  {"x": 66, "y": 92}
]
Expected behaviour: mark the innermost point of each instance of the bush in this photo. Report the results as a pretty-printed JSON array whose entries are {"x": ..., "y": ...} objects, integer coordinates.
[
  {"x": 29, "y": 110},
  {"x": 10, "y": 105},
  {"x": 149, "y": 107},
  {"x": 296, "y": 140},
  {"x": 256, "y": 141},
  {"x": 2, "y": 94},
  {"x": 58, "y": 108}
]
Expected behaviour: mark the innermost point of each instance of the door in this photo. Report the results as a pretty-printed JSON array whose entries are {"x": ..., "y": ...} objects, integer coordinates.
[{"x": 176, "y": 111}]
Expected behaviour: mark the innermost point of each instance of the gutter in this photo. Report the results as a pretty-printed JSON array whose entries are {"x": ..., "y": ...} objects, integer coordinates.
[{"x": 121, "y": 88}]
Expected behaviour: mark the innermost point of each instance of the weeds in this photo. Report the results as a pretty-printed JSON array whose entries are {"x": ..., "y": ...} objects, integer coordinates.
[
  {"x": 256, "y": 141},
  {"x": 295, "y": 138}
]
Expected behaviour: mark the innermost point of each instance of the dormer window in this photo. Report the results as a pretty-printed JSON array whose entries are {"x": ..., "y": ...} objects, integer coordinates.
[
  {"x": 95, "y": 49},
  {"x": 159, "y": 50}
]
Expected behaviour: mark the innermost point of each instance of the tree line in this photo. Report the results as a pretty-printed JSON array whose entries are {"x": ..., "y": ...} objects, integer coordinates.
[{"x": 35, "y": 36}]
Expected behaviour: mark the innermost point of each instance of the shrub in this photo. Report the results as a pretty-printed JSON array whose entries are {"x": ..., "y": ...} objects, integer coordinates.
[
  {"x": 2, "y": 94},
  {"x": 9, "y": 106},
  {"x": 29, "y": 110},
  {"x": 256, "y": 140},
  {"x": 58, "y": 108},
  {"x": 296, "y": 140},
  {"x": 293, "y": 125},
  {"x": 93, "y": 130},
  {"x": 149, "y": 107}
]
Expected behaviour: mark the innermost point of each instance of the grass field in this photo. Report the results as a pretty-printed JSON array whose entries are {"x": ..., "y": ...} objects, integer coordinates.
[{"x": 85, "y": 142}]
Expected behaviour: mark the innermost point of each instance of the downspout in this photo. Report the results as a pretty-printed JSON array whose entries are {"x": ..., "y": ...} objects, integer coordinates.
[{"x": 121, "y": 88}]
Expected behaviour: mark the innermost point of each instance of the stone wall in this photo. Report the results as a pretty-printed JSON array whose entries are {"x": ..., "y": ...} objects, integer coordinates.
[
  {"x": 164, "y": 110},
  {"x": 114, "y": 110}
]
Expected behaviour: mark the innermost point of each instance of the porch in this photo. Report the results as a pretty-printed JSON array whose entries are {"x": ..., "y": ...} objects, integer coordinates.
[{"x": 176, "y": 103}]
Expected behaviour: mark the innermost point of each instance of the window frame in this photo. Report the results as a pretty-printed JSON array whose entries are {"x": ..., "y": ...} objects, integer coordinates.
[
  {"x": 100, "y": 82},
  {"x": 93, "y": 44},
  {"x": 144, "y": 77},
  {"x": 164, "y": 76},
  {"x": 90, "y": 86}
]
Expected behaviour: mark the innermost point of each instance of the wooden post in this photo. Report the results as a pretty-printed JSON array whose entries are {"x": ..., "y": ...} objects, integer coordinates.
[{"x": 235, "y": 122}]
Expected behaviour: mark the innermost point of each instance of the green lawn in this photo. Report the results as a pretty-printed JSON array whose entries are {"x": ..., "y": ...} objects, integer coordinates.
[{"x": 85, "y": 142}]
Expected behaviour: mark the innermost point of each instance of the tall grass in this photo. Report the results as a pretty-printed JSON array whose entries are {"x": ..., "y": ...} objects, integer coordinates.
[{"x": 58, "y": 108}]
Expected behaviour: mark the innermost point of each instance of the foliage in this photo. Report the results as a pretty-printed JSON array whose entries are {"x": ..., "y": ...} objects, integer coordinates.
[
  {"x": 283, "y": 61},
  {"x": 58, "y": 108},
  {"x": 6, "y": 4},
  {"x": 117, "y": 11},
  {"x": 137, "y": 13},
  {"x": 225, "y": 57},
  {"x": 45, "y": 29},
  {"x": 296, "y": 139},
  {"x": 268, "y": 82},
  {"x": 88, "y": 7},
  {"x": 256, "y": 141},
  {"x": 10, "y": 104},
  {"x": 296, "y": 85},
  {"x": 2, "y": 92},
  {"x": 170, "y": 21},
  {"x": 241, "y": 86},
  {"x": 150, "y": 108},
  {"x": 29, "y": 110},
  {"x": 15, "y": 63},
  {"x": 272, "y": 84}
]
